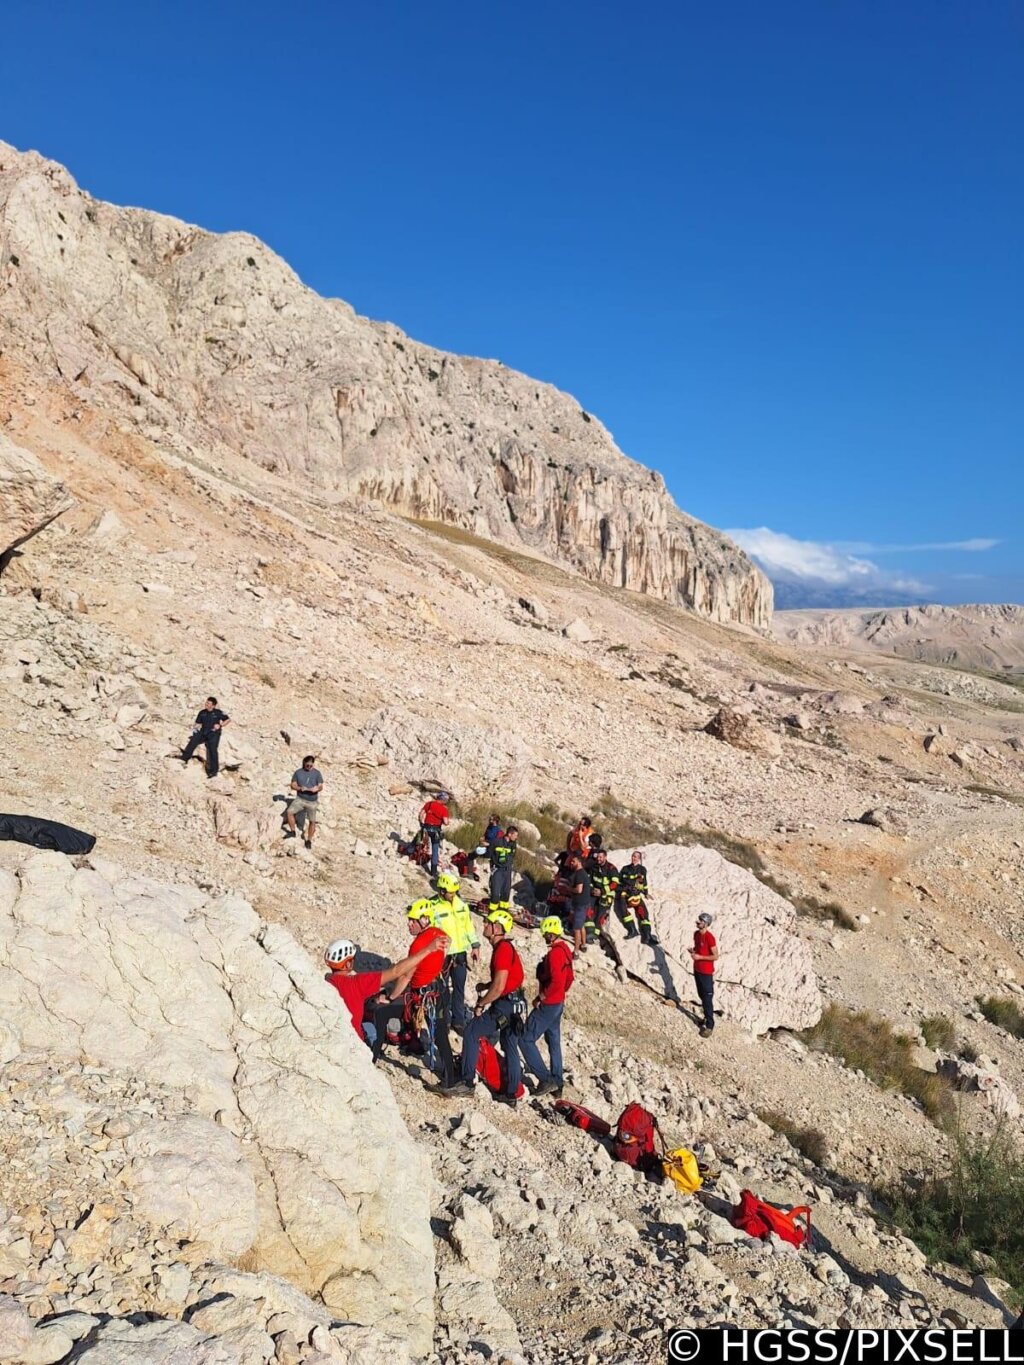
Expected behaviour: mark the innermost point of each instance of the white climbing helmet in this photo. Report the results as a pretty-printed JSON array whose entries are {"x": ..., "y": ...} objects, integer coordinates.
[{"x": 339, "y": 951}]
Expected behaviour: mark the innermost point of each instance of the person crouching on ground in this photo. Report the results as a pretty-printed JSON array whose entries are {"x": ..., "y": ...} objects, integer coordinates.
[
  {"x": 705, "y": 954},
  {"x": 555, "y": 975},
  {"x": 498, "y": 1014},
  {"x": 420, "y": 998},
  {"x": 357, "y": 989},
  {"x": 307, "y": 784}
]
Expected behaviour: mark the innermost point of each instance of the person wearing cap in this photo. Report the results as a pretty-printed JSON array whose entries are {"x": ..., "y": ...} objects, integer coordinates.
[
  {"x": 428, "y": 947},
  {"x": 555, "y": 976},
  {"x": 705, "y": 954},
  {"x": 498, "y": 1012},
  {"x": 357, "y": 989},
  {"x": 433, "y": 818},
  {"x": 451, "y": 913}
]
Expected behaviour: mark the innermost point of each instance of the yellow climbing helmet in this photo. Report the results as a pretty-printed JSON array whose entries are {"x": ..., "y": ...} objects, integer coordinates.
[
  {"x": 421, "y": 909},
  {"x": 551, "y": 924},
  {"x": 447, "y": 881},
  {"x": 501, "y": 917}
]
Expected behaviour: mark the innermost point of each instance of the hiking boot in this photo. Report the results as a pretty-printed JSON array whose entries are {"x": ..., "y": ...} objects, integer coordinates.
[
  {"x": 547, "y": 1087},
  {"x": 459, "y": 1091},
  {"x": 632, "y": 933},
  {"x": 289, "y": 834},
  {"x": 308, "y": 843},
  {"x": 706, "y": 1032},
  {"x": 650, "y": 940},
  {"x": 510, "y": 1100}
]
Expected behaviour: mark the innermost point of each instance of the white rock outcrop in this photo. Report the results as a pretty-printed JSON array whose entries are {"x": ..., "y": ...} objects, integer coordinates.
[
  {"x": 764, "y": 978},
  {"x": 30, "y": 498},
  {"x": 215, "y": 339},
  {"x": 459, "y": 756},
  {"x": 288, "y": 1146}
]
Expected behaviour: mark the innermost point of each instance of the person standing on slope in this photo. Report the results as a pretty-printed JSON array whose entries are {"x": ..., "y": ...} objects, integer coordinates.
[
  {"x": 499, "y": 1013},
  {"x": 705, "y": 954},
  {"x": 502, "y": 858},
  {"x": 307, "y": 784},
  {"x": 357, "y": 989},
  {"x": 555, "y": 976},
  {"x": 580, "y": 901},
  {"x": 604, "y": 883},
  {"x": 207, "y": 730},
  {"x": 451, "y": 913},
  {"x": 420, "y": 997},
  {"x": 631, "y": 900},
  {"x": 433, "y": 818}
]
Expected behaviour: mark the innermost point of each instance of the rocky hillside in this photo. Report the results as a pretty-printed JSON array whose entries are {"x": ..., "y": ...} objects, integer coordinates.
[
  {"x": 989, "y": 637},
  {"x": 211, "y": 342}
]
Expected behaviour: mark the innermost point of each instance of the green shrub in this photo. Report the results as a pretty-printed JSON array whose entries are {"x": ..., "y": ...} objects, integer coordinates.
[
  {"x": 939, "y": 1032},
  {"x": 809, "y": 1142},
  {"x": 1003, "y": 1012},
  {"x": 865, "y": 1042},
  {"x": 976, "y": 1205}
]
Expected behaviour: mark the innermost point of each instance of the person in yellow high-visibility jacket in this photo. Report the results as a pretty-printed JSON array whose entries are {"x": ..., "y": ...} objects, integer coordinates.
[{"x": 451, "y": 913}]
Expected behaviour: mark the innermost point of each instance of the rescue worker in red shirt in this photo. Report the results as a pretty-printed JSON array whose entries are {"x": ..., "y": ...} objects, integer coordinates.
[
  {"x": 705, "y": 954},
  {"x": 358, "y": 988},
  {"x": 499, "y": 1015},
  {"x": 420, "y": 998},
  {"x": 555, "y": 975},
  {"x": 433, "y": 818}
]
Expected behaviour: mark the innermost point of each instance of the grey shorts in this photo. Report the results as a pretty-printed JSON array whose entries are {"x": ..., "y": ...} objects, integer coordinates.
[{"x": 303, "y": 803}]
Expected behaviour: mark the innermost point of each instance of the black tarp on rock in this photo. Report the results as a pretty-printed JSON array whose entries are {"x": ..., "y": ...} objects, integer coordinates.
[{"x": 29, "y": 829}]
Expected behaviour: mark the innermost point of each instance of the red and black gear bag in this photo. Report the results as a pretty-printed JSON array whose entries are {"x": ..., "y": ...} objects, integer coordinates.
[
  {"x": 583, "y": 1118},
  {"x": 634, "y": 1140},
  {"x": 490, "y": 1067},
  {"x": 758, "y": 1219}
]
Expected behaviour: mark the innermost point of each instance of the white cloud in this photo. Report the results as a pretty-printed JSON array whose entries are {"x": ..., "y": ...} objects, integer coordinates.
[
  {"x": 821, "y": 571},
  {"x": 865, "y": 547}
]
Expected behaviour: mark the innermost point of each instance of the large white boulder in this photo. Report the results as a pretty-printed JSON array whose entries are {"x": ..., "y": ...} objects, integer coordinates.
[
  {"x": 289, "y": 1147},
  {"x": 462, "y": 757},
  {"x": 764, "y": 978}
]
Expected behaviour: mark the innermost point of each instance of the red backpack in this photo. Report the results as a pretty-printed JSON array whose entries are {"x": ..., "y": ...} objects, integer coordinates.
[
  {"x": 491, "y": 1070},
  {"x": 634, "y": 1140},
  {"x": 758, "y": 1219}
]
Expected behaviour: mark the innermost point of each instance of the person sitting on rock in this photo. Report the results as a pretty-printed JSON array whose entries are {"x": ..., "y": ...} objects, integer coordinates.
[
  {"x": 419, "y": 997},
  {"x": 357, "y": 989},
  {"x": 307, "y": 784},
  {"x": 502, "y": 859},
  {"x": 578, "y": 841},
  {"x": 705, "y": 954},
  {"x": 500, "y": 1012},
  {"x": 631, "y": 899},
  {"x": 555, "y": 975},
  {"x": 492, "y": 831},
  {"x": 207, "y": 730}
]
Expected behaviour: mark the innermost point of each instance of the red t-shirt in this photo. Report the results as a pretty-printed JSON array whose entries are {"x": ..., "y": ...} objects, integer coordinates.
[
  {"x": 506, "y": 959},
  {"x": 434, "y": 813},
  {"x": 555, "y": 974},
  {"x": 355, "y": 989},
  {"x": 704, "y": 942},
  {"x": 431, "y": 965}
]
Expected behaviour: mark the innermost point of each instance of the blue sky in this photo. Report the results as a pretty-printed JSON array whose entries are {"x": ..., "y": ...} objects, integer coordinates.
[{"x": 777, "y": 248}]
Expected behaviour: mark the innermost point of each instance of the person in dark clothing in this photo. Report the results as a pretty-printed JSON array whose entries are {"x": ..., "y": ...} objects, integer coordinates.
[
  {"x": 631, "y": 900},
  {"x": 705, "y": 954},
  {"x": 604, "y": 882},
  {"x": 492, "y": 831},
  {"x": 580, "y": 901},
  {"x": 502, "y": 857},
  {"x": 207, "y": 730}
]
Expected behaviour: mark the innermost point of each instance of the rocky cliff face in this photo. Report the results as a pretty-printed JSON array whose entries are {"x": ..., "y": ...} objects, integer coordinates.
[
  {"x": 29, "y": 498},
  {"x": 213, "y": 340}
]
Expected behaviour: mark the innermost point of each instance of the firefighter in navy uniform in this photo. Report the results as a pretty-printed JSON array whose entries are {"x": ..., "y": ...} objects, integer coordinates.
[
  {"x": 502, "y": 858},
  {"x": 604, "y": 883},
  {"x": 631, "y": 900}
]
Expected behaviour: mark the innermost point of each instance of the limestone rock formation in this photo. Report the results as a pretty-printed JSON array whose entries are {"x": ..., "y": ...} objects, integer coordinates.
[
  {"x": 215, "y": 340},
  {"x": 29, "y": 498},
  {"x": 765, "y": 978},
  {"x": 454, "y": 754},
  {"x": 286, "y": 1145},
  {"x": 742, "y": 731}
]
